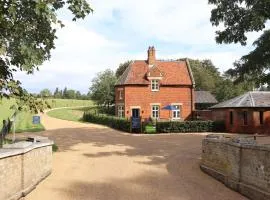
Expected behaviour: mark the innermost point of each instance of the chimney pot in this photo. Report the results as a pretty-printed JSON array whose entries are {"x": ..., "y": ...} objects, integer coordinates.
[{"x": 151, "y": 55}]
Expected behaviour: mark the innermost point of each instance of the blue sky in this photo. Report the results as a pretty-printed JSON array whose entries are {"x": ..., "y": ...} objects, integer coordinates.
[{"x": 121, "y": 30}]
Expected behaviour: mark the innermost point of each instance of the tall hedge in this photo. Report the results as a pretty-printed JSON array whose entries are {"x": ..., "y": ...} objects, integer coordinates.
[
  {"x": 189, "y": 127},
  {"x": 111, "y": 121}
]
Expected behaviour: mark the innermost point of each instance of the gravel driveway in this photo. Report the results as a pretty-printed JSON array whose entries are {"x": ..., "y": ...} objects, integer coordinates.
[{"x": 98, "y": 163}]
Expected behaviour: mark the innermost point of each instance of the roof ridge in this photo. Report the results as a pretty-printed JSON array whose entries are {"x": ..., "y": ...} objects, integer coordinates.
[
  {"x": 244, "y": 97},
  {"x": 252, "y": 100}
]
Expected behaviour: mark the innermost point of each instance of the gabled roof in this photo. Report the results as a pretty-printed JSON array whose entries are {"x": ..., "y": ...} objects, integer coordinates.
[
  {"x": 204, "y": 97},
  {"x": 173, "y": 73},
  {"x": 254, "y": 99}
]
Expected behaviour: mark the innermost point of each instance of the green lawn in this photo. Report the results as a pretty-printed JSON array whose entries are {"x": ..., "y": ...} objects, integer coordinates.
[
  {"x": 150, "y": 129},
  {"x": 70, "y": 114},
  {"x": 24, "y": 119}
]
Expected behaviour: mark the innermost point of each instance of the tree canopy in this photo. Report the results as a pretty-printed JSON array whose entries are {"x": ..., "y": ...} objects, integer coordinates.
[
  {"x": 27, "y": 35},
  {"x": 240, "y": 17},
  {"x": 102, "y": 88},
  {"x": 121, "y": 68}
]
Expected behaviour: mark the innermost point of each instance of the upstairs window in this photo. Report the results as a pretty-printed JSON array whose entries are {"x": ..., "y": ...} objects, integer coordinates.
[
  {"x": 154, "y": 85},
  {"x": 155, "y": 111},
  {"x": 120, "y": 94}
]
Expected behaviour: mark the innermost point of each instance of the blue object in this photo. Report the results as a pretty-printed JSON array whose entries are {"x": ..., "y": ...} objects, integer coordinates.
[
  {"x": 36, "y": 120},
  {"x": 136, "y": 122},
  {"x": 169, "y": 107}
]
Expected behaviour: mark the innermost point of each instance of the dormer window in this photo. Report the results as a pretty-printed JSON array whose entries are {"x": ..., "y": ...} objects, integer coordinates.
[{"x": 155, "y": 85}]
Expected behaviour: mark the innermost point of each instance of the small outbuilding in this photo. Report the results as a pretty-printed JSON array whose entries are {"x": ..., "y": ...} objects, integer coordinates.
[
  {"x": 248, "y": 113},
  {"x": 204, "y": 100}
]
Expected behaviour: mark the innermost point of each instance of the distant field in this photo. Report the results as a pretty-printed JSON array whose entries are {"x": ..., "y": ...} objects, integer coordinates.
[
  {"x": 70, "y": 114},
  {"x": 24, "y": 119},
  {"x": 57, "y": 103}
]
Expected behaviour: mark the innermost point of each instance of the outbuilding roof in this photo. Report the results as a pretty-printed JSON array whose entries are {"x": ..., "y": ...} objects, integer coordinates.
[
  {"x": 172, "y": 73},
  {"x": 204, "y": 97},
  {"x": 255, "y": 99}
]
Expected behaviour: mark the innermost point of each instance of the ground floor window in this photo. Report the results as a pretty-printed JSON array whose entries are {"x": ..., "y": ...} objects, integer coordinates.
[
  {"x": 261, "y": 117},
  {"x": 155, "y": 111},
  {"x": 231, "y": 117},
  {"x": 121, "y": 111},
  {"x": 176, "y": 112},
  {"x": 245, "y": 117}
]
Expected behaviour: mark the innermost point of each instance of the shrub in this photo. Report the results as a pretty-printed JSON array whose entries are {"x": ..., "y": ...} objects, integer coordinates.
[
  {"x": 188, "y": 126},
  {"x": 111, "y": 121}
]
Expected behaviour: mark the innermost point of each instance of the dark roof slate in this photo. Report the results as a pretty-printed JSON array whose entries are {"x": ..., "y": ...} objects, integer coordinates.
[
  {"x": 255, "y": 99},
  {"x": 204, "y": 97}
]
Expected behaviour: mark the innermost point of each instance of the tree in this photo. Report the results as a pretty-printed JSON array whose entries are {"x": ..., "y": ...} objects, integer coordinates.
[
  {"x": 102, "y": 88},
  {"x": 57, "y": 93},
  {"x": 78, "y": 95},
  {"x": 71, "y": 94},
  {"x": 65, "y": 94},
  {"x": 27, "y": 34},
  {"x": 240, "y": 17},
  {"x": 45, "y": 93},
  {"x": 121, "y": 68}
]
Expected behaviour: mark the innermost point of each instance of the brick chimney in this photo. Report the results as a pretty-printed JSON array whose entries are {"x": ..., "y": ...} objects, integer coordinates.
[{"x": 151, "y": 55}]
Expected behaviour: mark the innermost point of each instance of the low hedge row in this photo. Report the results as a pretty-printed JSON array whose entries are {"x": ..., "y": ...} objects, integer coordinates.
[
  {"x": 111, "y": 121},
  {"x": 190, "y": 126}
]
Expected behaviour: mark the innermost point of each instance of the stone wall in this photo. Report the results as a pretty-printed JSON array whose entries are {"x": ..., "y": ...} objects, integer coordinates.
[
  {"x": 240, "y": 163},
  {"x": 22, "y": 166}
]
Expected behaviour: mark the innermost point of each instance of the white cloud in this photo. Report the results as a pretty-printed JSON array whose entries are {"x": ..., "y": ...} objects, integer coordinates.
[{"x": 121, "y": 30}]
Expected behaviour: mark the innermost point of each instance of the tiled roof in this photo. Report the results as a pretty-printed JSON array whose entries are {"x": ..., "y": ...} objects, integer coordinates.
[
  {"x": 173, "y": 73},
  {"x": 254, "y": 99},
  {"x": 204, "y": 97}
]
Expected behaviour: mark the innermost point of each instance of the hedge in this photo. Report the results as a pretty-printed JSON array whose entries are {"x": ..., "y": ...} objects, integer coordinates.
[
  {"x": 111, "y": 121},
  {"x": 190, "y": 126}
]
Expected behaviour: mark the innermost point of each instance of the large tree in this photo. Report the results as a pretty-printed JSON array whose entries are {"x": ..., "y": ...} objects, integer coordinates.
[
  {"x": 238, "y": 18},
  {"x": 27, "y": 35},
  {"x": 102, "y": 88},
  {"x": 121, "y": 68}
]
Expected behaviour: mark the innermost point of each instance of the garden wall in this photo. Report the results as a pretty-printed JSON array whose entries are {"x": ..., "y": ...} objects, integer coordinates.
[
  {"x": 240, "y": 163},
  {"x": 22, "y": 166}
]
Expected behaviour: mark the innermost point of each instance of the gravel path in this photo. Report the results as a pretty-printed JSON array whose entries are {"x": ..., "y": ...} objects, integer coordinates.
[{"x": 98, "y": 163}]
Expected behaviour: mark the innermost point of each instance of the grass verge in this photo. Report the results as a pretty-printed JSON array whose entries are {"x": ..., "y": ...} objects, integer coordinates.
[{"x": 70, "y": 114}]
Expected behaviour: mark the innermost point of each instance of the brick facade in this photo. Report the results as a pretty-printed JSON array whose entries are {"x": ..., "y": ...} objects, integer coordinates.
[
  {"x": 143, "y": 98},
  {"x": 158, "y": 83},
  {"x": 237, "y": 125}
]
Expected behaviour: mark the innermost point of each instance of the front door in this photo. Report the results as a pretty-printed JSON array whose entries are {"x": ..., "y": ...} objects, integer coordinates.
[{"x": 135, "y": 113}]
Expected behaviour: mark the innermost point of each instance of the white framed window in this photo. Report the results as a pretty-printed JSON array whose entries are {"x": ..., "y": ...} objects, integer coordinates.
[
  {"x": 120, "y": 94},
  {"x": 154, "y": 85},
  {"x": 121, "y": 111},
  {"x": 155, "y": 111},
  {"x": 176, "y": 112}
]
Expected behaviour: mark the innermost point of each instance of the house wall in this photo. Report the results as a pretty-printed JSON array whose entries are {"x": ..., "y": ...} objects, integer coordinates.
[
  {"x": 253, "y": 120},
  {"x": 143, "y": 97}
]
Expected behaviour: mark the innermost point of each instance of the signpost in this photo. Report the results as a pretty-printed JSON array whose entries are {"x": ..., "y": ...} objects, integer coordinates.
[{"x": 36, "y": 119}]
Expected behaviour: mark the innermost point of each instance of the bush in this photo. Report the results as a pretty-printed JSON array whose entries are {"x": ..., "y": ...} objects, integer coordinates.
[
  {"x": 111, "y": 121},
  {"x": 189, "y": 126}
]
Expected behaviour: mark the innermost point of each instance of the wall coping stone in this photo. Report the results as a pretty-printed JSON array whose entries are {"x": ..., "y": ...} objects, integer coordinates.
[{"x": 24, "y": 147}]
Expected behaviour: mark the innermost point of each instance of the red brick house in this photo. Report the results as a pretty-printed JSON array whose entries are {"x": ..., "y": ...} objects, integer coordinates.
[
  {"x": 148, "y": 86},
  {"x": 248, "y": 113}
]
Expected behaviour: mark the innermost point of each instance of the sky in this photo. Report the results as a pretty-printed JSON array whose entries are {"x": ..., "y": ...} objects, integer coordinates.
[{"x": 121, "y": 30}]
